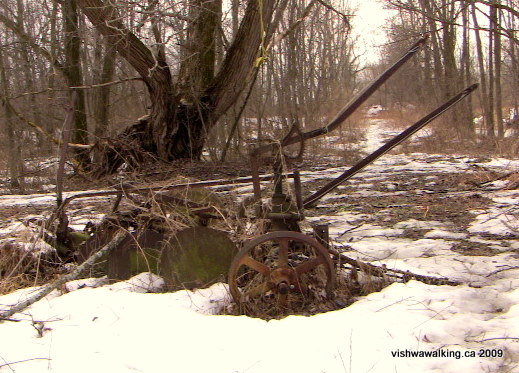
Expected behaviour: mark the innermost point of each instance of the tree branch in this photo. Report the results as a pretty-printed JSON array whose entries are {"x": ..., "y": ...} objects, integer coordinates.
[
  {"x": 13, "y": 26},
  {"x": 38, "y": 128},
  {"x": 100, "y": 85},
  {"x": 104, "y": 18},
  {"x": 345, "y": 17},
  {"x": 238, "y": 66},
  {"x": 498, "y": 6},
  {"x": 75, "y": 274},
  {"x": 293, "y": 26}
]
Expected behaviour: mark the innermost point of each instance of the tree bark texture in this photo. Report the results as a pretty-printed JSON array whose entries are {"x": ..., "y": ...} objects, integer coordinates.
[
  {"x": 483, "y": 92},
  {"x": 498, "y": 63},
  {"x": 74, "y": 74},
  {"x": 14, "y": 160},
  {"x": 102, "y": 98},
  {"x": 491, "y": 76}
]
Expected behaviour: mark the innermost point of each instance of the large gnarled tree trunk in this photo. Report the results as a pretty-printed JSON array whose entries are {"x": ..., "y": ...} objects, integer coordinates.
[{"x": 182, "y": 112}]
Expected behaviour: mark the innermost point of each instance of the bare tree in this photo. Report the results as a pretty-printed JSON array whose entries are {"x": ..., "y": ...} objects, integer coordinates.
[
  {"x": 450, "y": 59},
  {"x": 484, "y": 91},
  {"x": 496, "y": 22},
  {"x": 74, "y": 73},
  {"x": 14, "y": 157},
  {"x": 101, "y": 106}
]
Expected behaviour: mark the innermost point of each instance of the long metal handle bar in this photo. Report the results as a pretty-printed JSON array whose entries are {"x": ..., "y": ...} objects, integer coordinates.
[
  {"x": 312, "y": 199},
  {"x": 354, "y": 104},
  {"x": 198, "y": 184}
]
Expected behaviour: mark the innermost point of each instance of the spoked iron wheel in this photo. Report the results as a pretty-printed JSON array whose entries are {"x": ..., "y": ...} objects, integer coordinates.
[{"x": 281, "y": 270}]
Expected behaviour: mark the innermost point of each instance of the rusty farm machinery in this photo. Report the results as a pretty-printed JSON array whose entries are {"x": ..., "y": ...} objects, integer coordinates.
[{"x": 277, "y": 263}]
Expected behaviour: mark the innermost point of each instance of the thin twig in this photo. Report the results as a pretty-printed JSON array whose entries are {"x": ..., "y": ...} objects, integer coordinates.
[
  {"x": 350, "y": 230},
  {"x": 292, "y": 27},
  {"x": 100, "y": 85},
  {"x": 493, "y": 339},
  {"x": 497, "y": 178},
  {"x": 344, "y": 16},
  {"x": 22, "y": 361},
  {"x": 46, "y": 90},
  {"x": 501, "y": 270},
  {"x": 37, "y": 127}
]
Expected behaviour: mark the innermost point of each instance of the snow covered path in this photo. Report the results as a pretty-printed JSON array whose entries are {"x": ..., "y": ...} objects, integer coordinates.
[{"x": 415, "y": 212}]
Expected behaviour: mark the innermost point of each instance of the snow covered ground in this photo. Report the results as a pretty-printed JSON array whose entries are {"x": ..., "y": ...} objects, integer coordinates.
[{"x": 399, "y": 212}]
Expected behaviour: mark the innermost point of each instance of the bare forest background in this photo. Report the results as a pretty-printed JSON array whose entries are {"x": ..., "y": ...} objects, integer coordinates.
[{"x": 200, "y": 78}]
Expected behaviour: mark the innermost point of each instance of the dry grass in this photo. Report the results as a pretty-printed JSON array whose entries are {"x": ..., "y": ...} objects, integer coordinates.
[
  {"x": 445, "y": 138},
  {"x": 508, "y": 147},
  {"x": 400, "y": 119},
  {"x": 20, "y": 268}
]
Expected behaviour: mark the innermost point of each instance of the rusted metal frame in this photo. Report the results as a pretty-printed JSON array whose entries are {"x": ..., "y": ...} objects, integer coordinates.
[
  {"x": 322, "y": 234},
  {"x": 353, "y": 105},
  {"x": 312, "y": 199},
  {"x": 285, "y": 216},
  {"x": 294, "y": 133},
  {"x": 199, "y": 184}
]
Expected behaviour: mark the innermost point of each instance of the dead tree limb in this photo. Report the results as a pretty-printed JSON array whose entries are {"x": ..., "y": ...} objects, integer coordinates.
[
  {"x": 74, "y": 275},
  {"x": 382, "y": 271}
]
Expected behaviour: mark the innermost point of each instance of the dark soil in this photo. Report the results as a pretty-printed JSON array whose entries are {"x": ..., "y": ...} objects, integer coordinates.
[{"x": 448, "y": 200}]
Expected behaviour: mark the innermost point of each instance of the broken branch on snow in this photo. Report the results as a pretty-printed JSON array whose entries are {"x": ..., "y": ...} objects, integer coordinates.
[{"x": 74, "y": 275}]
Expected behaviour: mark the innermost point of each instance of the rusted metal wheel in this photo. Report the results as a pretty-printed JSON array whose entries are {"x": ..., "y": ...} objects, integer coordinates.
[{"x": 281, "y": 267}]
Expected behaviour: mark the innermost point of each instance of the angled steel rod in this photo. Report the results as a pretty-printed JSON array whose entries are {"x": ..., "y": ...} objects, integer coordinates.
[
  {"x": 354, "y": 104},
  {"x": 312, "y": 199}
]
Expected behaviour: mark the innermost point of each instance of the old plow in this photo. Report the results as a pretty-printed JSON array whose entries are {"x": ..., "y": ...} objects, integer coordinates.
[{"x": 182, "y": 232}]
